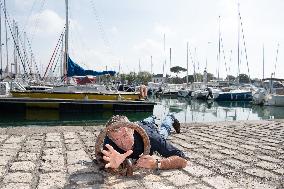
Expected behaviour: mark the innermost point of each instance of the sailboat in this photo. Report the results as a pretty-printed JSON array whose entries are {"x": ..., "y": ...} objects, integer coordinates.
[{"x": 77, "y": 92}]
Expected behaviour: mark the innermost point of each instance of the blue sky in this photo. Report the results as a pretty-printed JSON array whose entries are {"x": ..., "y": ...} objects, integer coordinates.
[{"x": 108, "y": 32}]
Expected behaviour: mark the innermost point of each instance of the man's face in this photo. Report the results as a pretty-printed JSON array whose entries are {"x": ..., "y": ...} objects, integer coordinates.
[{"x": 123, "y": 138}]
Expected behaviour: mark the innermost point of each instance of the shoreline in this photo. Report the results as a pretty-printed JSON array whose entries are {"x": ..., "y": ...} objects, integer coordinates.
[{"x": 233, "y": 154}]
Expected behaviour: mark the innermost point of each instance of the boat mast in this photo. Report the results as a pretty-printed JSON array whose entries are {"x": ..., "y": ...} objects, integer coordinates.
[
  {"x": 1, "y": 45},
  {"x": 238, "y": 80},
  {"x": 187, "y": 64},
  {"x": 6, "y": 36},
  {"x": 219, "y": 50},
  {"x": 263, "y": 61},
  {"x": 151, "y": 65},
  {"x": 66, "y": 41}
]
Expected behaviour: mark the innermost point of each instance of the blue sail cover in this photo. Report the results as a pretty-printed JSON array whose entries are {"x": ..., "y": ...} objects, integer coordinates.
[{"x": 76, "y": 70}]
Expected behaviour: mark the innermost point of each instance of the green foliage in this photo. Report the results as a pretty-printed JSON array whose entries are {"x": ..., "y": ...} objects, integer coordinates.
[
  {"x": 210, "y": 76},
  {"x": 244, "y": 78},
  {"x": 134, "y": 78},
  {"x": 177, "y": 69},
  {"x": 230, "y": 78}
]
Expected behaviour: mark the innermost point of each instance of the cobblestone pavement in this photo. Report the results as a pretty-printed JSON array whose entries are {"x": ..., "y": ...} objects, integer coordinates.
[{"x": 221, "y": 155}]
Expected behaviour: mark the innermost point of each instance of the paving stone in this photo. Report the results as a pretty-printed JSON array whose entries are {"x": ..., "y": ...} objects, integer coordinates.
[
  {"x": 15, "y": 139},
  {"x": 269, "y": 158},
  {"x": 220, "y": 182},
  {"x": 251, "y": 182},
  {"x": 81, "y": 168},
  {"x": 73, "y": 157},
  {"x": 266, "y": 147},
  {"x": 15, "y": 146},
  {"x": 279, "y": 171},
  {"x": 31, "y": 149},
  {"x": 267, "y": 165},
  {"x": 245, "y": 158},
  {"x": 156, "y": 185},
  {"x": 52, "y": 137},
  {"x": 228, "y": 152},
  {"x": 53, "y": 144},
  {"x": 73, "y": 147},
  {"x": 72, "y": 141},
  {"x": 18, "y": 177},
  {"x": 2, "y": 170},
  {"x": 248, "y": 147},
  {"x": 4, "y": 160},
  {"x": 182, "y": 178},
  {"x": 26, "y": 166},
  {"x": 52, "y": 163},
  {"x": 197, "y": 170},
  {"x": 218, "y": 156},
  {"x": 261, "y": 173},
  {"x": 235, "y": 163},
  {"x": 70, "y": 135},
  {"x": 212, "y": 147},
  {"x": 52, "y": 151},
  {"x": 17, "y": 186},
  {"x": 3, "y": 137},
  {"x": 52, "y": 180},
  {"x": 198, "y": 186}
]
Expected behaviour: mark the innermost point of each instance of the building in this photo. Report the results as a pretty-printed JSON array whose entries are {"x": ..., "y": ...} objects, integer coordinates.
[{"x": 158, "y": 78}]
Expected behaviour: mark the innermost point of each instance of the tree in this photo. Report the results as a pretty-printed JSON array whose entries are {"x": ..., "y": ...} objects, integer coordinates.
[
  {"x": 190, "y": 78},
  {"x": 131, "y": 77},
  {"x": 230, "y": 78},
  {"x": 244, "y": 78},
  {"x": 177, "y": 69},
  {"x": 144, "y": 77},
  {"x": 210, "y": 76}
]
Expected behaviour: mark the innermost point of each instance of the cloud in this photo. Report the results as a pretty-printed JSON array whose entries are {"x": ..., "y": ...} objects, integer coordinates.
[
  {"x": 160, "y": 30},
  {"x": 113, "y": 30},
  {"x": 23, "y": 4},
  {"x": 47, "y": 23}
]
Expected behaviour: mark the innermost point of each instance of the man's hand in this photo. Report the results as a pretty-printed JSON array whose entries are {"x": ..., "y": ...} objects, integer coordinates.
[
  {"x": 114, "y": 158},
  {"x": 147, "y": 162}
]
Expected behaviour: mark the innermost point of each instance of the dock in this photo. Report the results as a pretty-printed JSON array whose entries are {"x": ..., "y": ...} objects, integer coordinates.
[
  {"x": 71, "y": 105},
  {"x": 221, "y": 155}
]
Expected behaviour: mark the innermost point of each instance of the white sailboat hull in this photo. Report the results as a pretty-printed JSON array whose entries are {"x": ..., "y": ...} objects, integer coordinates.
[{"x": 274, "y": 100}]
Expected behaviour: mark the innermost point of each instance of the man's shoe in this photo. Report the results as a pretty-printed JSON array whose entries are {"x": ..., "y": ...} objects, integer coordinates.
[{"x": 176, "y": 124}]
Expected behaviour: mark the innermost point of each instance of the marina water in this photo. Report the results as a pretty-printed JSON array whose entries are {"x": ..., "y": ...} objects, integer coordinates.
[{"x": 185, "y": 110}]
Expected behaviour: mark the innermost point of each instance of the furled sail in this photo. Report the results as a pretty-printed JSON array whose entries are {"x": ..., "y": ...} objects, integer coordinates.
[{"x": 76, "y": 70}]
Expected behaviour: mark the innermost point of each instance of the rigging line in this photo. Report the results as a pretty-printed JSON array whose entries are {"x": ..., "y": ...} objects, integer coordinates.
[
  {"x": 37, "y": 21},
  {"x": 58, "y": 50},
  {"x": 276, "y": 59},
  {"x": 54, "y": 52},
  {"x": 192, "y": 62},
  {"x": 100, "y": 27},
  {"x": 32, "y": 55},
  {"x": 13, "y": 36},
  {"x": 17, "y": 47},
  {"x": 29, "y": 15},
  {"x": 244, "y": 43},
  {"x": 56, "y": 63},
  {"x": 25, "y": 53},
  {"x": 224, "y": 56}
]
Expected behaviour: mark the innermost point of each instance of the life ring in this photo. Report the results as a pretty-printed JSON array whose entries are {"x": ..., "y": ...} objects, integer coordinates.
[{"x": 127, "y": 168}]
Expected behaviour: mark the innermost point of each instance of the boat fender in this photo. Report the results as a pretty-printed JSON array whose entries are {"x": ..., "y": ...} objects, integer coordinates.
[{"x": 143, "y": 92}]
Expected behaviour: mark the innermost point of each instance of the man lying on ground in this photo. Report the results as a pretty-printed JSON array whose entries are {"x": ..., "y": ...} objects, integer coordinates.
[{"x": 125, "y": 143}]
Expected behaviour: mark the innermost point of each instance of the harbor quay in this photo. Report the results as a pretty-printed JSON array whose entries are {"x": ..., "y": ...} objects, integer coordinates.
[{"x": 233, "y": 155}]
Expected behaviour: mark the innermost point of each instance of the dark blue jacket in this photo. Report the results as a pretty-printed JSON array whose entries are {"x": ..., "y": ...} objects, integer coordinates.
[{"x": 158, "y": 144}]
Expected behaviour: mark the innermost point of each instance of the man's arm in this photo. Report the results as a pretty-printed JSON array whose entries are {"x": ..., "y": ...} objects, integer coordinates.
[{"x": 172, "y": 162}]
